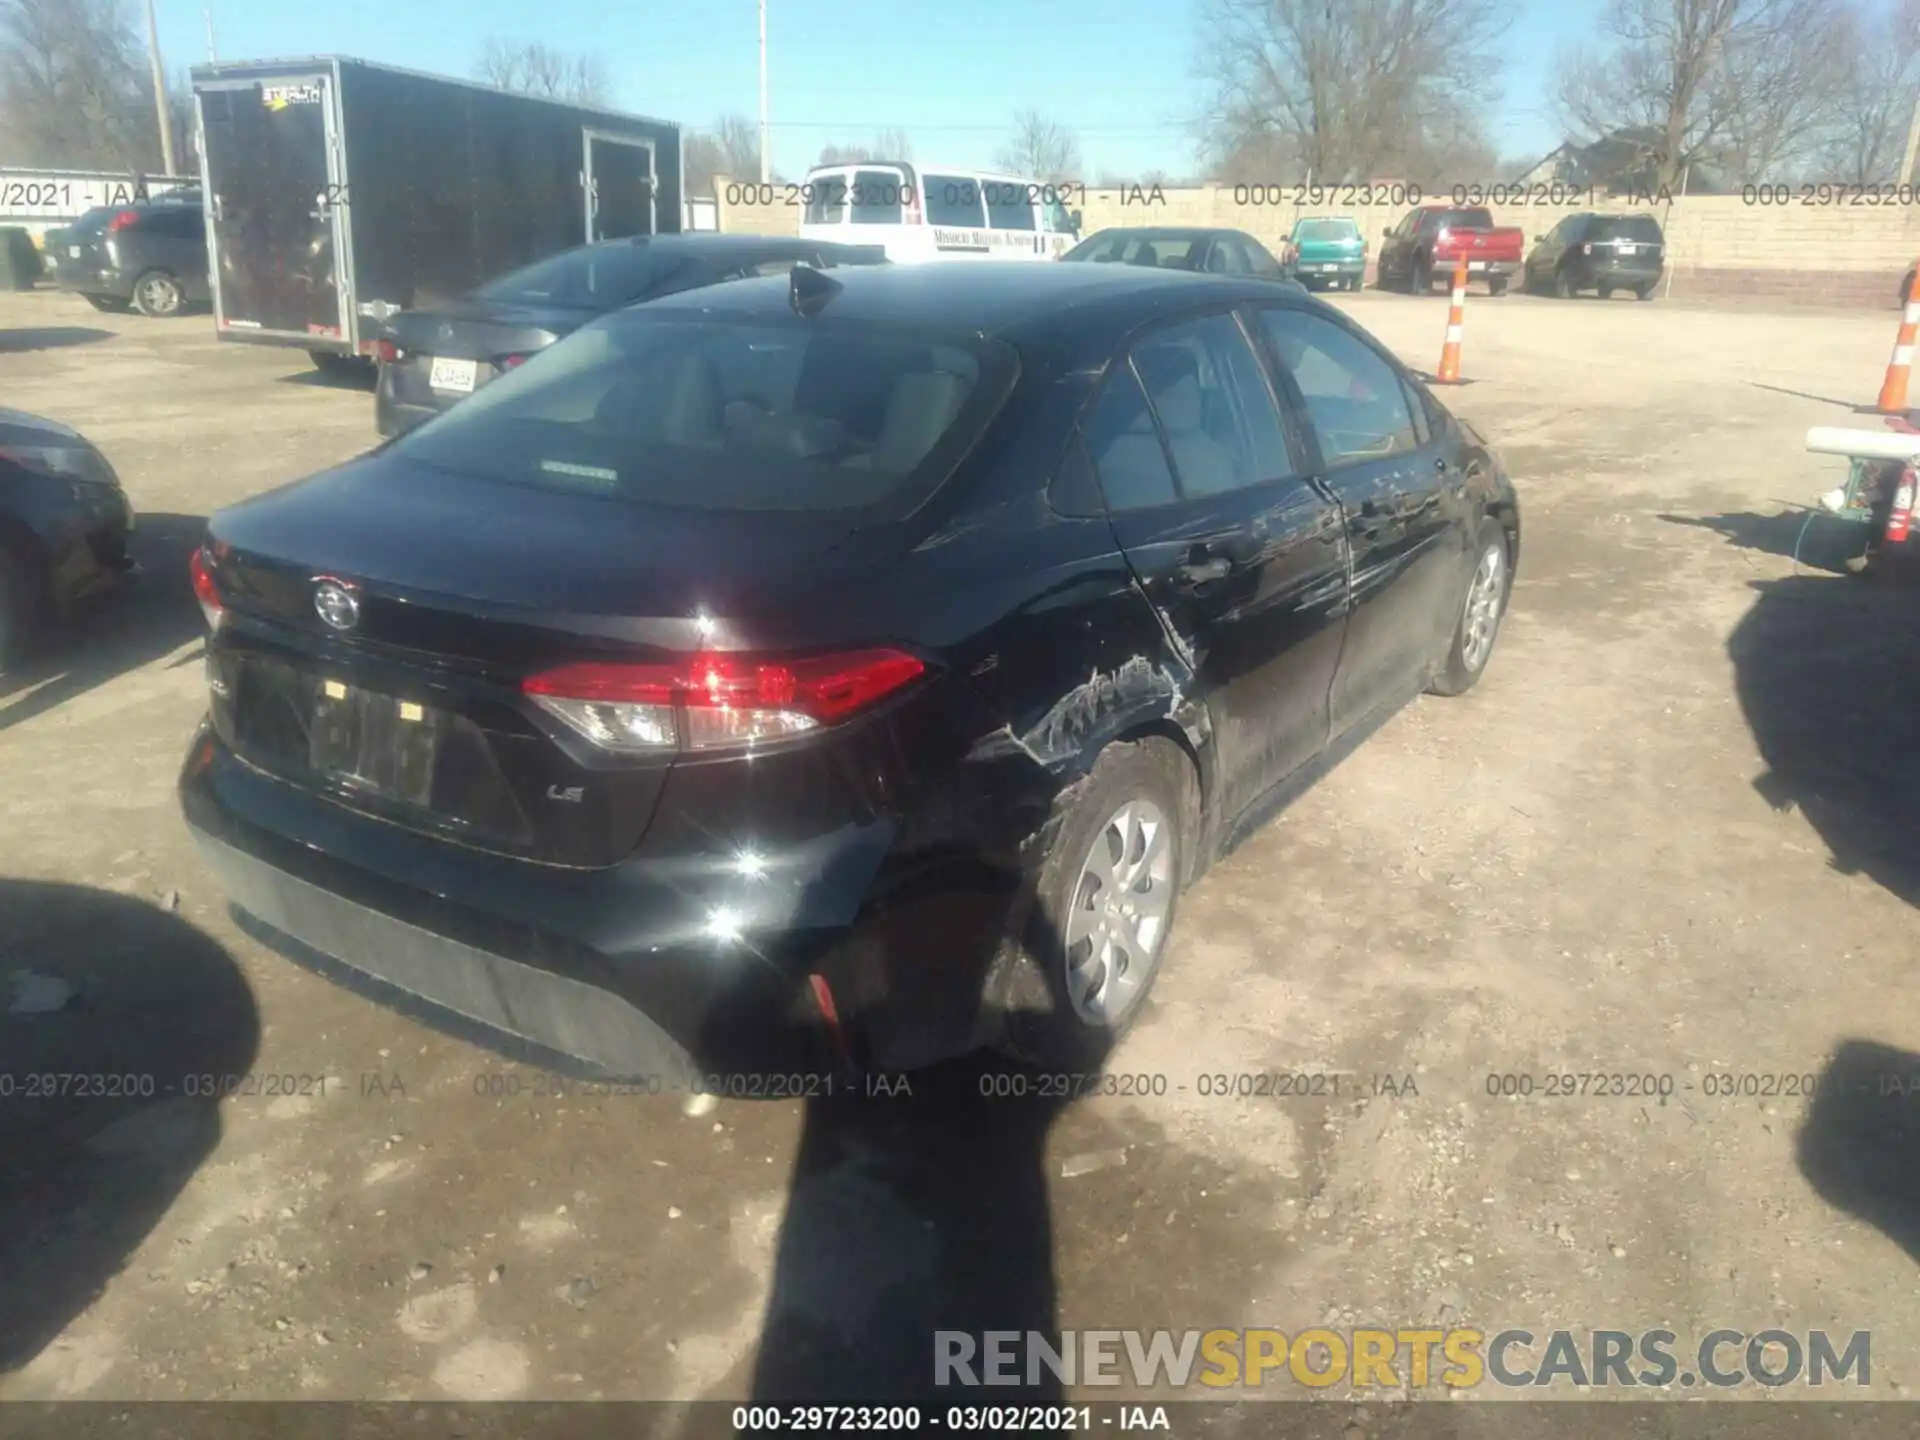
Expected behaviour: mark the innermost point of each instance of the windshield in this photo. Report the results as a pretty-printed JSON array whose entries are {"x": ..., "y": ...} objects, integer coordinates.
[
  {"x": 593, "y": 277},
  {"x": 1325, "y": 231},
  {"x": 702, "y": 414}
]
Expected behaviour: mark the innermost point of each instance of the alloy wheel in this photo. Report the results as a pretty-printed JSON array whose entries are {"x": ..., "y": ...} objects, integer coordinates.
[
  {"x": 1485, "y": 597},
  {"x": 1118, "y": 912}
]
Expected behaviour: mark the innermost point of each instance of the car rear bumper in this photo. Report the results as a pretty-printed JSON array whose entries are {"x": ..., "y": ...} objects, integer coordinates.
[
  {"x": 1624, "y": 275},
  {"x": 672, "y": 967},
  {"x": 1326, "y": 269},
  {"x": 1480, "y": 269},
  {"x": 394, "y": 416}
]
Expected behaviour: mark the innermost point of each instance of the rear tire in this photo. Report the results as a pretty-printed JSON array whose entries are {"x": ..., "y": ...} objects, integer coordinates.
[
  {"x": 1482, "y": 609},
  {"x": 157, "y": 295},
  {"x": 1496, "y": 287},
  {"x": 1562, "y": 285},
  {"x": 1420, "y": 278},
  {"x": 1606, "y": 292},
  {"x": 341, "y": 367},
  {"x": 1643, "y": 292},
  {"x": 112, "y": 304},
  {"x": 1104, "y": 909}
]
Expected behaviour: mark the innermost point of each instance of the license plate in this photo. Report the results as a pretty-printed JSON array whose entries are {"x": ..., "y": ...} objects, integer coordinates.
[
  {"x": 456, "y": 375},
  {"x": 73, "y": 252},
  {"x": 1626, "y": 247},
  {"x": 1329, "y": 269},
  {"x": 373, "y": 741},
  {"x": 1476, "y": 264}
]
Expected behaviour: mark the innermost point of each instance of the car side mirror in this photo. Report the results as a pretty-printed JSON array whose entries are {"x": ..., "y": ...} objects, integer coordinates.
[
  {"x": 1387, "y": 234},
  {"x": 1074, "y": 217}
]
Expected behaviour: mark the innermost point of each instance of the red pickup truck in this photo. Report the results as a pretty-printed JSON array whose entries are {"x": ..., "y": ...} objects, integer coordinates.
[{"x": 1427, "y": 242}]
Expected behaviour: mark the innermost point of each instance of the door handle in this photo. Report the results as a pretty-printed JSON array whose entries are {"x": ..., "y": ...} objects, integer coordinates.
[{"x": 1200, "y": 572}]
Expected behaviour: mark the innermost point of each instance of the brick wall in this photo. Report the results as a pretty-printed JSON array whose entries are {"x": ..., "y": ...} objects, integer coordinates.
[{"x": 1718, "y": 247}]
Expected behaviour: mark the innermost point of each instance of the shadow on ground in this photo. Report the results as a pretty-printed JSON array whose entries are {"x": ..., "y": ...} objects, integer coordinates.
[
  {"x": 362, "y": 380},
  {"x": 1859, "y": 1146},
  {"x": 152, "y": 614},
  {"x": 1828, "y": 676},
  {"x": 910, "y": 1215},
  {"x": 49, "y": 337},
  {"x": 1826, "y": 544},
  {"x": 103, "y": 1118}
]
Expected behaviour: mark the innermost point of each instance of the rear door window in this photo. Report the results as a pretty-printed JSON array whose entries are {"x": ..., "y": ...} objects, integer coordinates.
[
  {"x": 1353, "y": 397},
  {"x": 1009, "y": 204},
  {"x": 826, "y": 194},
  {"x": 877, "y": 197},
  {"x": 1125, "y": 448},
  {"x": 1214, "y": 408},
  {"x": 955, "y": 201}
]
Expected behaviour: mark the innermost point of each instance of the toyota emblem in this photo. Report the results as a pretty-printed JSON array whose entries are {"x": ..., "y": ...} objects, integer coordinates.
[{"x": 335, "y": 603}]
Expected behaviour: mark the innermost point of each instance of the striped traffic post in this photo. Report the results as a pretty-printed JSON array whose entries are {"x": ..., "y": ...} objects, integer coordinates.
[
  {"x": 1893, "y": 390},
  {"x": 1449, "y": 372}
]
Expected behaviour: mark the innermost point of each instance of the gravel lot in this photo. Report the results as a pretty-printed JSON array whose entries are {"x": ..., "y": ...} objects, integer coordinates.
[{"x": 1672, "y": 834}]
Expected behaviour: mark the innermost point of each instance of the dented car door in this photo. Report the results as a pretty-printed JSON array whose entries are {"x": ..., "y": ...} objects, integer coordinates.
[{"x": 1242, "y": 558}]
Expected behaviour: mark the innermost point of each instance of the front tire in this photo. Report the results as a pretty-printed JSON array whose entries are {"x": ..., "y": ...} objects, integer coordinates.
[
  {"x": 1481, "y": 612},
  {"x": 1105, "y": 905},
  {"x": 1496, "y": 287},
  {"x": 1562, "y": 285},
  {"x": 1420, "y": 278},
  {"x": 157, "y": 295},
  {"x": 19, "y": 615},
  {"x": 1643, "y": 292},
  {"x": 1606, "y": 292}
]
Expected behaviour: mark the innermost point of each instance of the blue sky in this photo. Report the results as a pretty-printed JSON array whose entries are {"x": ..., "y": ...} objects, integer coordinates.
[{"x": 1121, "y": 73}]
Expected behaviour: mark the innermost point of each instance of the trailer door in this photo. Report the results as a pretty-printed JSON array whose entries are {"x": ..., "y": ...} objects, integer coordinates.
[
  {"x": 277, "y": 206},
  {"x": 620, "y": 186}
]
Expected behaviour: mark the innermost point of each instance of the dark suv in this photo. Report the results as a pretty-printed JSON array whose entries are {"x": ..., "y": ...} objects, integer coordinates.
[
  {"x": 152, "y": 256},
  {"x": 1604, "y": 253}
]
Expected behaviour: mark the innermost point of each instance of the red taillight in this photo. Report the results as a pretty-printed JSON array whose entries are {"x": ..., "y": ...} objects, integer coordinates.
[
  {"x": 386, "y": 352},
  {"x": 122, "y": 221},
  {"x": 509, "y": 362},
  {"x": 1441, "y": 238},
  {"x": 205, "y": 591},
  {"x": 914, "y": 214},
  {"x": 1900, "y": 516},
  {"x": 706, "y": 702}
]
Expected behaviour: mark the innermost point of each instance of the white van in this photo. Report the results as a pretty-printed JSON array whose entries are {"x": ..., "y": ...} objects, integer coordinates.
[{"x": 939, "y": 212}]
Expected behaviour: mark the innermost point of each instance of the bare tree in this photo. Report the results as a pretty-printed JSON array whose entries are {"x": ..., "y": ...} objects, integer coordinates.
[
  {"x": 74, "y": 87},
  {"x": 844, "y": 155},
  {"x": 1741, "y": 87},
  {"x": 529, "y": 67},
  {"x": 1866, "y": 140},
  {"x": 1041, "y": 148},
  {"x": 1349, "y": 89},
  {"x": 893, "y": 144},
  {"x": 731, "y": 148}
]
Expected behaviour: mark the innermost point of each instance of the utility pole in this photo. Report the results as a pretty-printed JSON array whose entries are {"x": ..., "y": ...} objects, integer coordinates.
[
  {"x": 766, "y": 159},
  {"x": 213, "y": 53},
  {"x": 1913, "y": 145},
  {"x": 160, "y": 109}
]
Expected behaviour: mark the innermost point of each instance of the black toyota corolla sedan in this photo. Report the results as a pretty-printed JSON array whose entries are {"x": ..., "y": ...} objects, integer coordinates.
[{"x": 831, "y": 672}]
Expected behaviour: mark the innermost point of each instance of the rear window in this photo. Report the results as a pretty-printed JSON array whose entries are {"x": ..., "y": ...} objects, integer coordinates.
[
  {"x": 1321, "y": 231},
  {"x": 1471, "y": 219},
  {"x": 1643, "y": 229},
  {"x": 694, "y": 413},
  {"x": 94, "y": 221},
  {"x": 587, "y": 279},
  {"x": 1165, "y": 252},
  {"x": 877, "y": 197},
  {"x": 826, "y": 197}
]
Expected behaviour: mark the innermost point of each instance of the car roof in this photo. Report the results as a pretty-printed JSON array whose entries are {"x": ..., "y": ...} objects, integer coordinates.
[
  {"x": 978, "y": 297},
  {"x": 1172, "y": 232}
]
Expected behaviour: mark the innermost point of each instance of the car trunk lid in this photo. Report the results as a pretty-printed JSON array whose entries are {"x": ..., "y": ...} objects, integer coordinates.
[
  {"x": 439, "y": 356},
  {"x": 406, "y": 701}
]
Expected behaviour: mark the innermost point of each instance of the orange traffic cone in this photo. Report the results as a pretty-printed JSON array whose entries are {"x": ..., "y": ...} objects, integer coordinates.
[
  {"x": 1893, "y": 390},
  {"x": 1449, "y": 373}
]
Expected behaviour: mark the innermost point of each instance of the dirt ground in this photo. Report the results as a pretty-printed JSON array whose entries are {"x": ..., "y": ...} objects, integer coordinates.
[{"x": 1672, "y": 834}]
